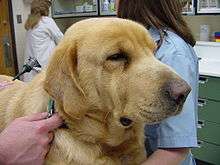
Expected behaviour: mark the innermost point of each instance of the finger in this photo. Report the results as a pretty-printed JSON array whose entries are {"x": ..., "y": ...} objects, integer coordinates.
[
  {"x": 46, "y": 151},
  {"x": 4, "y": 84},
  {"x": 52, "y": 123},
  {"x": 35, "y": 117}
]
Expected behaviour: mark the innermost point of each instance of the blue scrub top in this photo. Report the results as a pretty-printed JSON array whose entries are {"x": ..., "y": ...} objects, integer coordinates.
[{"x": 177, "y": 131}]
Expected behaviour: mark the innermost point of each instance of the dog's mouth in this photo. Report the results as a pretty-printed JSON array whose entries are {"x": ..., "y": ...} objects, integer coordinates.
[
  {"x": 151, "y": 115},
  {"x": 152, "y": 118}
]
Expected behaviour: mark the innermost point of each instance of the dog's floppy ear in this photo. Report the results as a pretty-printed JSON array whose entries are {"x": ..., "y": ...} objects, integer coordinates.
[{"x": 61, "y": 81}]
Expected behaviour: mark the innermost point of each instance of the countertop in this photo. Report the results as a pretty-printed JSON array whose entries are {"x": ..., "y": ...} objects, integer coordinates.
[
  {"x": 209, "y": 68},
  {"x": 209, "y": 52}
]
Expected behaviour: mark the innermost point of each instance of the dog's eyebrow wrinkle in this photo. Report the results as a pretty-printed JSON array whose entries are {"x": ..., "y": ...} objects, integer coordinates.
[
  {"x": 96, "y": 118},
  {"x": 97, "y": 86}
]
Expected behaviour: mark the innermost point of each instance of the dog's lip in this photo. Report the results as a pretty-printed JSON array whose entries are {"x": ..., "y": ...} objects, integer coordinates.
[
  {"x": 153, "y": 113},
  {"x": 177, "y": 111},
  {"x": 155, "y": 117},
  {"x": 163, "y": 112}
]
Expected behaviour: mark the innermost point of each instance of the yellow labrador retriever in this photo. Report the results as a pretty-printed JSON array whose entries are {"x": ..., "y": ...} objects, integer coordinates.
[{"x": 106, "y": 84}]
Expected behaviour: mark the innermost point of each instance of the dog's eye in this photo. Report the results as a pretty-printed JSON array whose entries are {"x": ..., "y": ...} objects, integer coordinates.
[{"x": 118, "y": 57}]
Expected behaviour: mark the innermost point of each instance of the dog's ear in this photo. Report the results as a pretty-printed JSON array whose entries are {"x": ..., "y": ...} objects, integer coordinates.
[{"x": 61, "y": 81}]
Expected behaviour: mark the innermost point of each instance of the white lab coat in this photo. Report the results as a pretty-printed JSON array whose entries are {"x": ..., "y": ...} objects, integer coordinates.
[{"x": 40, "y": 42}]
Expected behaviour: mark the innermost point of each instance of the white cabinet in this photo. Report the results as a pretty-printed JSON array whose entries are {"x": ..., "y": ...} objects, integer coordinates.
[
  {"x": 208, "y": 6},
  {"x": 73, "y": 8}
]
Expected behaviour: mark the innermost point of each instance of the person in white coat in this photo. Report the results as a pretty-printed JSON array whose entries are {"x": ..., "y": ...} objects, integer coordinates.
[{"x": 42, "y": 36}]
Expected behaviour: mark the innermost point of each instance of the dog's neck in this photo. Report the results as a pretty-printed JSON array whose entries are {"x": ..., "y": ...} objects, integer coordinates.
[
  {"x": 85, "y": 128},
  {"x": 97, "y": 127}
]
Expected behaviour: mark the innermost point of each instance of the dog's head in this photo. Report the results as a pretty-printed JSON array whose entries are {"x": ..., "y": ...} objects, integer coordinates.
[{"x": 107, "y": 64}]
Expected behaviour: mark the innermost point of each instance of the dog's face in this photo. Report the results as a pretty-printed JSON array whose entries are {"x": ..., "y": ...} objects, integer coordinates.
[{"x": 108, "y": 65}]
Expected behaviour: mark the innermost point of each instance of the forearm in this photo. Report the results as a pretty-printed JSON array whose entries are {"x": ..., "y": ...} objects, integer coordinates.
[{"x": 167, "y": 157}]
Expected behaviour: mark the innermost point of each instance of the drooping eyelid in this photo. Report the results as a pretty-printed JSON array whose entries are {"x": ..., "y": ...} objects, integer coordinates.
[{"x": 118, "y": 57}]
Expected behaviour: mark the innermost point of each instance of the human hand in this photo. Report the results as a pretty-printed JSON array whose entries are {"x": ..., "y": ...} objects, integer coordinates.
[
  {"x": 26, "y": 140},
  {"x": 5, "y": 84}
]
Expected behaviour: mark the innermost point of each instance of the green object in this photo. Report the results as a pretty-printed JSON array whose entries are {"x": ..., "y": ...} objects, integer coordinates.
[
  {"x": 209, "y": 87},
  {"x": 208, "y": 120},
  {"x": 208, "y": 110},
  {"x": 51, "y": 108},
  {"x": 208, "y": 152},
  {"x": 208, "y": 131},
  {"x": 112, "y": 5}
]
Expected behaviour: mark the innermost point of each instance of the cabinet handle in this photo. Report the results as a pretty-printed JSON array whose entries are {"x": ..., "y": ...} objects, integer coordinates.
[
  {"x": 200, "y": 142},
  {"x": 202, "y": 102},
  {"x": 7, "y": 52},
  {"x": 200, "y": 124},
  {"x": 203, "y": 80}
]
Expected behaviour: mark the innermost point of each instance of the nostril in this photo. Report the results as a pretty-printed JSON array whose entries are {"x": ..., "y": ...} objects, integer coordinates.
[
  {"x": 125, "y": 121},
  {"x": 179, "y": 98},
  {"x": 178, "y": 91}
]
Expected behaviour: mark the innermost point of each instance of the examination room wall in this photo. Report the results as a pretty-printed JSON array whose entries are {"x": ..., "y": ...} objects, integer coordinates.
[{"x": 22, "y": 8}]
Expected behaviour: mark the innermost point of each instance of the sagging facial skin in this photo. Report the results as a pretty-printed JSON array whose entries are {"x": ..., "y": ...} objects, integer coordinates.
[
  {"x": 112, "y": 69},
  {"x": 126, "y": 78}
]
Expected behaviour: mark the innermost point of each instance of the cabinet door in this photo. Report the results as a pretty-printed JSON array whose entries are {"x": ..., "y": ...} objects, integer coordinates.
[
  {"x": 209, "y": 87},
  {"x": 74, "y": 8},
  {"x": 207, "y": 152},
  {"x": 209, "y": 110},
  {"x": 209, "y": 132},
  {"x": 108, "y": 7},
  {"x": 208, "y": 6},
  {"x": 8, "y": 62}
]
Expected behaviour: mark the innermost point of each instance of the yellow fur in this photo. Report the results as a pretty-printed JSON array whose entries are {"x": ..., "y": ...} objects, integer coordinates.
[{"x": 92, "y": 93}]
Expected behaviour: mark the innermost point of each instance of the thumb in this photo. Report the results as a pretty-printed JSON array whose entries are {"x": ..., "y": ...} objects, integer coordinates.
[
  {"x": 52, "y": 123},
  {"x": 35, "y": 116}
]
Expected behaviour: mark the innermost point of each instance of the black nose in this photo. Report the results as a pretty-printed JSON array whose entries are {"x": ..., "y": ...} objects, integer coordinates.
[
  {"x": 178, "y": 91},
  {"x": 125, "y": 121}
]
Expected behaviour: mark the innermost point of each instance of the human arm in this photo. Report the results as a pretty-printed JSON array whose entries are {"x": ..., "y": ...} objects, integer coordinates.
[
  {"x": 26, "y": 140},
  {"x": 167, "y": 156},
  {"x": 44, "y": 39},
  {"x": 54, "y": 30}
]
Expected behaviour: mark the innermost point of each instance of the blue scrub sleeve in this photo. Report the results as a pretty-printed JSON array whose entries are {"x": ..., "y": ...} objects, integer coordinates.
[{"x": 180, "y": 131}]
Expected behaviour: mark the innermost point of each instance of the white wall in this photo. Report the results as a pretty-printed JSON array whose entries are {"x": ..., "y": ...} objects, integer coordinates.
[
  {"x": 23, "y": 9},
  {"x": 194, "y": 23}
]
